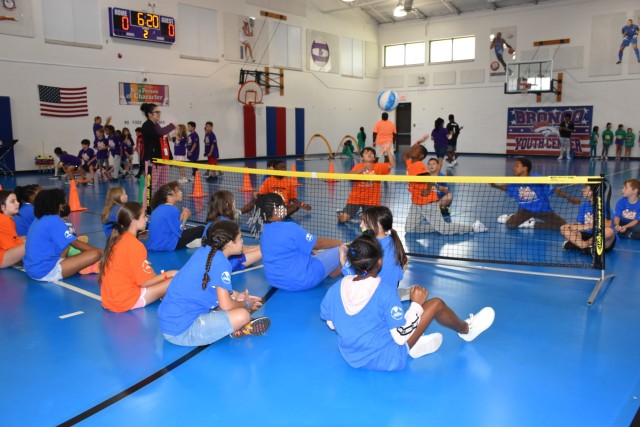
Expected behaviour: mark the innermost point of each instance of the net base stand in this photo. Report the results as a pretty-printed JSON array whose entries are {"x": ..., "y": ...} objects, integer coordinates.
[{"x": 597, "y": 287}]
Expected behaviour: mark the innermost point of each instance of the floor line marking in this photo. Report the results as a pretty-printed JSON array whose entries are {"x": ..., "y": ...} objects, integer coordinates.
[
  {"x": 78, "y": 290},
  {"x": 75, "y": 313},
  {"x": 144, "y": 382},
  {"x": 248, "y": 269}
]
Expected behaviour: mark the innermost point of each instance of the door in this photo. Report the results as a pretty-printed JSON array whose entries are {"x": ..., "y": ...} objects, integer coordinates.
[{"x": 403, "y": 126}]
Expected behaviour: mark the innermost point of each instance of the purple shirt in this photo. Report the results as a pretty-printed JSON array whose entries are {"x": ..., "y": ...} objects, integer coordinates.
[
  {"x": 101, "y": 154},
  {"x": 209, "y": 140},
  {"x": 88, "y": 156},
  {"x": 194, "y": 139},
  {"x": 439, "y": 136},
  {"x": 115, "y": 146},
  {"x": 70, "y": 160},
  {"x": 180, "y": 149}
]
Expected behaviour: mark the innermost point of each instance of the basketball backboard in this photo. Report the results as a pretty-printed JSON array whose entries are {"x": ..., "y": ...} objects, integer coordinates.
[{"x": 531, "y": 76}]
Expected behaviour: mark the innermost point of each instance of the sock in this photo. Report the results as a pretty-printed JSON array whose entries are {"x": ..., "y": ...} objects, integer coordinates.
[
  {"x": 637, "y": 53},
  {"x": 620, "y": 55}
]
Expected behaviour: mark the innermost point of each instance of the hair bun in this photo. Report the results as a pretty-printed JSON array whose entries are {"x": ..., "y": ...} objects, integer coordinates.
[{"x": 368, "y": 233}]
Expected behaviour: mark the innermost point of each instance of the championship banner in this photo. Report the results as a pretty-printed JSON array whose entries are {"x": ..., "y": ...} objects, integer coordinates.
[
  {"x": 138, "y": 93},
  {"x": 534, "y": 131}
]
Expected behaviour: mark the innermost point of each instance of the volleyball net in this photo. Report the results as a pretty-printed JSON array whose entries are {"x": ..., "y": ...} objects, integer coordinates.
[{"x": 459, "y": 218}]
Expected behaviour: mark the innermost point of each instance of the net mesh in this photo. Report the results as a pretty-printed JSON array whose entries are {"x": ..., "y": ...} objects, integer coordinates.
[{"x": 427, "y": 230}]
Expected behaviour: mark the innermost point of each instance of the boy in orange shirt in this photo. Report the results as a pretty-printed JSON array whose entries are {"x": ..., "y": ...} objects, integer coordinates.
[
  {"x": 365, "y": 194},
  {"x": 384, "y": 136},
  {"x": 283, "y": 186},
  {"x": 424, "y": 198}
]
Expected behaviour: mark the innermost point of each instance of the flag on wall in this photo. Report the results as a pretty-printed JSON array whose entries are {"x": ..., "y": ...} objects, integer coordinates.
[{"x": 63, "y": 101}]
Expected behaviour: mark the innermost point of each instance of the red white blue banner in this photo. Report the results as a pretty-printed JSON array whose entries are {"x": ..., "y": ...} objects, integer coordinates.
[
  {"x": 139, "y": 93},
  {"x": 534, "y": 130}
]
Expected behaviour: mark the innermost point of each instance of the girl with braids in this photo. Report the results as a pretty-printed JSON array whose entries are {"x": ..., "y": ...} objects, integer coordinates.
[
  {"x": 49, "y": 240},
  {"x": 25, "y": 217},
  {"x": 202, "y": 308},
  {"x": 374, "y": 332},
  {"x": 167, "y": 225},
  {"x": 127, "y": 280},
  {"x": 286, "y": 248},
  {"x": 11, "y": 245},
  {"x": 116, "y": 197},
  {"x": 222, "y": 207}
]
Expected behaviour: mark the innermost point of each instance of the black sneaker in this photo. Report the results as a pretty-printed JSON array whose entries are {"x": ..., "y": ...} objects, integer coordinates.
[
  {"x": 568, "y": 246},
  {"x": 445, "y": 211},
  {"x": 587, "y": 251}
]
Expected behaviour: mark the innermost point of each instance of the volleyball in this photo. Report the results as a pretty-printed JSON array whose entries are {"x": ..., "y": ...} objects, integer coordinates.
[{"x": 388, "y": 100}]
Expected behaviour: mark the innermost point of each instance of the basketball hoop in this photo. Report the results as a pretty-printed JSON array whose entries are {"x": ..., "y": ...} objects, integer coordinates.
[
  {"x": 524, "y": 87},
  {"x": 250, "y": 93}
]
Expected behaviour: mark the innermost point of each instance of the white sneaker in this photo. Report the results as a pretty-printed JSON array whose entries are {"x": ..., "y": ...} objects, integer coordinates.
[
  {"x": 426, "y": 344},
  {"x": 502, "y": 219},
  {"x": 559, "y": 157},
  {"x": 182, "y": 180},
  {"x": 451, "y": 164},
  {"x": 479, "y": 227},
  {"x": 478, "y": 323},
  {"x": 455, "y": 162},
  {"x": 195, "y": 243},
  {"x": 530, "y": 223},
  {"x": 404, "y": 294}
]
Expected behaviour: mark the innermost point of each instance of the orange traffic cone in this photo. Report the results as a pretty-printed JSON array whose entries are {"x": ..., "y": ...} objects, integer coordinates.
[
  {"x": 197, "y": 187},
  {"x": 74, "y": 200},
  {"x": 331, "y": 170},
  {"x": 246, "y": 183},
  {"x": 295, "y": 178}
]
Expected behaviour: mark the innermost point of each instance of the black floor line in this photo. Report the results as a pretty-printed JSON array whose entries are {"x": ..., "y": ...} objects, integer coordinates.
[{"x": 146, "y": 381}]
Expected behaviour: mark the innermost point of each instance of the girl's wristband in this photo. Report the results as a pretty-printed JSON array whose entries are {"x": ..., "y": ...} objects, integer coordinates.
[{"x": 164, "y": 275}]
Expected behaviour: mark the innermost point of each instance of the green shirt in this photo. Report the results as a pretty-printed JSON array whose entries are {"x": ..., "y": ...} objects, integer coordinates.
[
  {"x": 594, "y": 139},
  {"x": 620, "y": 136},
  {"x": 629, "y": 139},
  {"x": 607, "y": 137}
]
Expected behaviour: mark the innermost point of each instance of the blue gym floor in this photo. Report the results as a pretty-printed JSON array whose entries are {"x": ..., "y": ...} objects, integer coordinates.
[{"x": 548, "y": 360}]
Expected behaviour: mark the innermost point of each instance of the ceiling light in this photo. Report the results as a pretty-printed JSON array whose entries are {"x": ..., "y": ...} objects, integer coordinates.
[
  {"x": 399, "y": 11},
  {"x": 347, "y": 1}
]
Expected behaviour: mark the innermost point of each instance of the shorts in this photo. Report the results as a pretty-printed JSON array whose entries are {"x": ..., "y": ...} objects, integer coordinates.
[
  {"x": 451, "y": 148},
  {"x": 55, "y": 274},
  {"x": 141, "y": 301},
  {"x": 212, "y": 161},
  {"x": 352, "y": 210},
  {"x": 102, "y": 162},
  {"x": 440, "y": 151},
  {"x": 629, "y": 40},
  {"x": 207, "y": 328},
  {"x": 586, "y": 235},
  {"x": 380, "y": 149},
  {"x": 180, "y": 158}
]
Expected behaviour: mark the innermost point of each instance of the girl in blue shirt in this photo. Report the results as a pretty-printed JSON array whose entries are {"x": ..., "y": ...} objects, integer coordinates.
[
  {"x": 26, "y": 195},
  {"x": 116, "y": 197},
  {"x": 167, "y": 225},
  {"x": 222, "y": 207},
  {"x": 374, "y": 332},
  {"x": 200, "y": 306},
  {"x": 286, "y": 248},
  {"x": 49, "y": 239}
]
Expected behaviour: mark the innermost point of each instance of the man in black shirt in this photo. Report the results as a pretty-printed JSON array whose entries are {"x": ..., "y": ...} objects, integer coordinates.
[{"x": 453, "y": 131}]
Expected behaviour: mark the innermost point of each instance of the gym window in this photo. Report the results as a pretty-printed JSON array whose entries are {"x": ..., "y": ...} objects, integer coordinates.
[
  {"x": 399, "y": 55},
  {"x": 452, "y": 50}
]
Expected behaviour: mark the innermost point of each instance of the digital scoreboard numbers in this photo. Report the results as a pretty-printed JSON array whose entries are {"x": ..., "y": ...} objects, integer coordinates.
[{"x": 131, "y": 24}]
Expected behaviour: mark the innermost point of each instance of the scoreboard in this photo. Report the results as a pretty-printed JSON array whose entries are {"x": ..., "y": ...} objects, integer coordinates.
[{"x": 145, "y": 26}]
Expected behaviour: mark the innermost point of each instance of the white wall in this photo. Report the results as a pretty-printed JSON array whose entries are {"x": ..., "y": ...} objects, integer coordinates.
[
  {"x": 199, "y": 90},
  {"x": 482, "y": 107}
]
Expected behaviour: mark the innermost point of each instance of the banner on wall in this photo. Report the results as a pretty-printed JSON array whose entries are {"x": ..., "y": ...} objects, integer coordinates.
[
  {"x": 138, "y": 93},
  {"x": 534, "y": 130}
]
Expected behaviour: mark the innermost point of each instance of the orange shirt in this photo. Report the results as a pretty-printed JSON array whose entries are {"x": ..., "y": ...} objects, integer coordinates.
[
  {"x": 285, "y": 187},
  {"x": 127, "y": 269},
  {"x": 367, "y": 192},
  {"x": 384, "y": 131},
  {"x": 8, "y": 236},
  {"x": 416, "y": 188}
]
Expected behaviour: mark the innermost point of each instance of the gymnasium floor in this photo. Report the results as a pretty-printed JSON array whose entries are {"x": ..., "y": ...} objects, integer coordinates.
[{"x": 548, "y": 360}]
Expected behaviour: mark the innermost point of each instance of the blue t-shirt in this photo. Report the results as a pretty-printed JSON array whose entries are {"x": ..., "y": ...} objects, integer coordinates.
[
  {"x": 209, "y": 140},
  {"x": 364, "y": 339},
  {"x": 441, "y": 184},
  {"x": 180, "y": 148},
  {"x": 111, "y": 219},
  {"x": 47, "y": 239},
  {"x": 626, "y": 211},
  {"x": 532, "y": 197},
  {"x": 630, "y": 31},
  {"x": 164, "y": 228},
  {"x": 185, "y": 300},
  {"x": 24, "y": 219},
  {"x": 585, "y": 214},
  {"x": 391, "y": 272},
  {"x": 194, "y": 139},
  {"x": 286, "y": 255}
]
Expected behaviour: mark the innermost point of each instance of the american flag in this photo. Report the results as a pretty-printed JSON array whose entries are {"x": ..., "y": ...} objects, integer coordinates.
[{"x": 63, "y": 101}]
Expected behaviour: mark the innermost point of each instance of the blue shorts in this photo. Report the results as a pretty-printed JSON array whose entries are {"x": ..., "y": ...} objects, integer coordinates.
[
  {"x": 440, "y": 151},
  {"x": 207, "y": 328},
  {"x": 629, "y": 40}
]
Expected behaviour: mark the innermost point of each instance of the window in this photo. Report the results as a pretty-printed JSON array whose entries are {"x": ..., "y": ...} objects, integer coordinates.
[
  {"x": 451, "y": 50},
  {"x": 404, "y": 54},
  {"x": 351, "y": 57}
]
